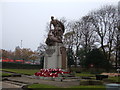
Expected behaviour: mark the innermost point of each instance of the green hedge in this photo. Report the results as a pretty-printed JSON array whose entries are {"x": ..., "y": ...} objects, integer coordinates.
[
  {"x": 90, "y": 82},
  {"x": 91, "y": 70},
  {"x": 19, "y": 66}
]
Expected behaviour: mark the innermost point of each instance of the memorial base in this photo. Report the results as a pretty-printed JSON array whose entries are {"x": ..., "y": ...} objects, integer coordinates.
[{"x": 55, "y": 57}]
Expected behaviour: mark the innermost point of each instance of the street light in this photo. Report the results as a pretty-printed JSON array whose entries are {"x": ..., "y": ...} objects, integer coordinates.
[{"x": 118, "y": 71}]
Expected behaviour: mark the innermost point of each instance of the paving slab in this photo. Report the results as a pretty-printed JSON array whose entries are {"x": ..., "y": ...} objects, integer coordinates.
[{"x": 40, "y": 81}]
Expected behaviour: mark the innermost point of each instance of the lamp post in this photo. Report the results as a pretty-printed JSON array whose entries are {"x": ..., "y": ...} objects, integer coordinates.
[
  {"x": 21, "y": 43},
  {"x": 118, "y": 71}
]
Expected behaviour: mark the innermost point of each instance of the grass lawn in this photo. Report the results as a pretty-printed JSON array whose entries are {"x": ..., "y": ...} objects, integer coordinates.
[
  {"x": 22, "y": 71},
  {"x": 32, "y": 71},
  {"x": 92, "y": 87},
  {"x": 5, "y": 74},
  {"x": 42, "y": 86},
  {"x": 84, "y": 74},
  {"x": 97, "y": 87},
  {"x": 115, "y": 79}
]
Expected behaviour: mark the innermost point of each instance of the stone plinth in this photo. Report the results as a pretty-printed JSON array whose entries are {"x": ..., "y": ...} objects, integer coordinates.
[{"x": 55, "y": 57}]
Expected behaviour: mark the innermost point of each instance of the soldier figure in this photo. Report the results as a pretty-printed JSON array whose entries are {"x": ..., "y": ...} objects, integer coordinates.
[
  {"x": 55, "y": 35},
  {"x": 57, "y": 24}
]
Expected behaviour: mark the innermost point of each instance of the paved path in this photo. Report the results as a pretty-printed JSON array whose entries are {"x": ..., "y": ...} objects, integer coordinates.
[
  {"x": 56, "y": 83},
  {"x": 29, "y": 80},
  {"x": 8, "y": 86}
]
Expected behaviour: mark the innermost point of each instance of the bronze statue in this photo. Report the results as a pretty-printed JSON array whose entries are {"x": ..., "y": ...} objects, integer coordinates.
[
  {"x": 55, "y": 35},
  {"x": 56, "y": 23}
]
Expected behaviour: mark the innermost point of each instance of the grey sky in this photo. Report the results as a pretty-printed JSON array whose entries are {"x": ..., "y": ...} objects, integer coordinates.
[{"x": 27, "y": 20}]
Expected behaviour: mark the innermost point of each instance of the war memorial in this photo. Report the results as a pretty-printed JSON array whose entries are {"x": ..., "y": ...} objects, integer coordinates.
[{"x": 55, "y": 55}]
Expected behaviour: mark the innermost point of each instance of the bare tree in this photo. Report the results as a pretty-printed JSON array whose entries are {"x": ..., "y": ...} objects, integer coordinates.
[
  {"x": 119, "y": 31},
  {"x": 89, "y": 36},
  {"x": 104, "y": 21},
  {"x": 117, "y": 39},
  {"x": 41, "y": 48},
  {"x": 68, "y": 38},
  {"x": 77, "y": 39}
]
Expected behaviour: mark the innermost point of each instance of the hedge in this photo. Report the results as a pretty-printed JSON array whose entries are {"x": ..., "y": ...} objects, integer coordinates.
[{"x": 19, "y": 66}]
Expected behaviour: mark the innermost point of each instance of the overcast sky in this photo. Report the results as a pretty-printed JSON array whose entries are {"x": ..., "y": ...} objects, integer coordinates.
[{"x": 26, "y": 20}]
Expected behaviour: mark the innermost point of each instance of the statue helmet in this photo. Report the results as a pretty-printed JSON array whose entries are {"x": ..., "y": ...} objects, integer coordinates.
[{"x": 52, "y": 17}]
